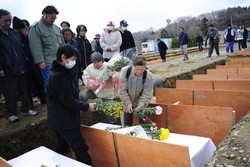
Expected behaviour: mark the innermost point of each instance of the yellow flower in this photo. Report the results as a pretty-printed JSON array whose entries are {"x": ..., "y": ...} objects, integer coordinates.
[{"x": 164, "y": 134}]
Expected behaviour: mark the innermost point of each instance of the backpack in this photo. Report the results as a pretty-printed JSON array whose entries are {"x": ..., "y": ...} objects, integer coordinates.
[{"x": 143, "y": 77}]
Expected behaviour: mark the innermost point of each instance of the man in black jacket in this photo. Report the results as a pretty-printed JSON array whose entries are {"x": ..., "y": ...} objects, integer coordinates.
[
  {"x": 127, "y": 39},
  {"x": 13, "y": 69},
  {"x": 162, "y": 48},
  {"x": 64, "y": 105}
]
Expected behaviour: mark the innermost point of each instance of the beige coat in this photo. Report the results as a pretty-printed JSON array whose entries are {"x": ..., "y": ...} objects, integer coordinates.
[
  {"x": 132, "y": 96},
  {"x": 111, "y": 40},
  {"x": 93, "y": 76}
]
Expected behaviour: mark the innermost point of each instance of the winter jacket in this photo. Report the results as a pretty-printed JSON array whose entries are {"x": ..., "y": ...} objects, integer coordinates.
[
  {"x": 73, "y": 43},
  {"x": 84, "y": 48},
  {"x": 63, "y": 102},
  {"x": 44, "y": 40},
  {"x": 112, "y": 40},
  {"x": 12, "y": 58},
  {"x": 199, "y": 39},
  {"x": 96, "y": 46},
  {"x": 162, "y": 47},
  {"x": 213, "y": 36},
  {"x": 127, "y": 40},
  {"x": 92, "y": 77},
  {"x": 239, "y": 34},
  {"x": 229, "y": 35},
  {"x": 183, "y": 38},
  {"x": 130, "y": 91}
]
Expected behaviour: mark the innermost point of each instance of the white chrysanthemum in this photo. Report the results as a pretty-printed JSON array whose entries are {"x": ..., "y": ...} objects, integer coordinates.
[{"x": 158, "y": 110}]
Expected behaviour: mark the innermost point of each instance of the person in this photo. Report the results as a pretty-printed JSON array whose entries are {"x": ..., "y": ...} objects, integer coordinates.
[
  {"x": 127, "y": 37},
  {"x": 45, "y": 38},
  {"x": 162, "y": 48},
  {"x": 66, "y": 25},
  {"x": 239, "y": 36},
  {"x": 213, "y": 36},
  {"x": 34, "y": 77},
  {"x": 229, "y": 36},
  {"x": 13, "y": 69},
  {"x": 199, "y": 41},
  {"x": 136, "y": 88},
  {"x": 245, "y": 34},
  {"x": 64, "y": 105},
  {"x": 92, "y": 77},
  {"x": 183, "y": 40},
  {"x": 110, "y": 41},
  {"x": 84, "y": 46},
  {"x": 95, "y": 44},
  {"x": 68, "y": 37}
]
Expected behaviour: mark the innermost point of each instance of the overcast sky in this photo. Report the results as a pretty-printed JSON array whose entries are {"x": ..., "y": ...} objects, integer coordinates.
[{"x": 140, "y": 14}]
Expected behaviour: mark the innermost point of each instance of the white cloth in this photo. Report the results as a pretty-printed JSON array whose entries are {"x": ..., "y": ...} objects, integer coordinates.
[
  {"x": 44, "y": 156},
  {"x": 200, "y": 148}
]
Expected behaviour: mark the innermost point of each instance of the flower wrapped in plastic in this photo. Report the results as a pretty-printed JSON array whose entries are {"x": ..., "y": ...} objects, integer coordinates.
[
  {"x": 116, "y": 63},
  {"x": 145, "y": 112},
  {"x": 155, "y": 133},
  {"x": 111, "y": 109}
]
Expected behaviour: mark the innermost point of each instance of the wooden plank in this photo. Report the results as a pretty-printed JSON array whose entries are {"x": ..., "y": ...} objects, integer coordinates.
[
  {"x": 101, "y": 146},
  {"x": 170, "y": 96},
  {"x": 4, "y": 163},
  {"x": 239, "y": 77},
  {"x": 232, "y": 85},
  {"x": 246, "y": 59},
  {"x": 194, "y": 84},
  {"x": 146, "y": 153},
  {"x": 223, "y": 71},
  {"x": 160, "y": 120},
  {"x": 205, "y": 121},
  {"x": 239, "y": 100},
  {"x": 244, "y": 71},
  {"x": 229, "y": 66},
  {"x": 220, "y": 77}
]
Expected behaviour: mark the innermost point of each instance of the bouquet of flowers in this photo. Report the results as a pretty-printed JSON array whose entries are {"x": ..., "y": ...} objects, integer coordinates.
[
  {"x": 145, "y": 112},
  {"x": 111, "y": 109},
  {"x": 153, "y": 131}
]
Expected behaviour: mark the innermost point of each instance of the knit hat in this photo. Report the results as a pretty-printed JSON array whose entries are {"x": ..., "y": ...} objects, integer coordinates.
[
  {"x": 110, "y": 23},
  {"x": 17, "y": 23},
  {"x": 96, "y": 56}
]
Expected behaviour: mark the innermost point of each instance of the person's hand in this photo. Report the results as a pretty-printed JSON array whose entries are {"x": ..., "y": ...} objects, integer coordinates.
[
  {"x": 91, "y": 107},
  {"x": 109, "y": 50},
  {"x": 129, "y": 109},
  {"x": 1, "y": 73},
  {"x": 42, "y": 66},
  {"x": 138, "y": 107}
]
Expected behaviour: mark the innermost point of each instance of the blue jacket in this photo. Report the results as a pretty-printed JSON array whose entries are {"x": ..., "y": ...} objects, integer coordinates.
[
  {"x": 12, "y": 57},
  {"x": 183, "y": 38}
]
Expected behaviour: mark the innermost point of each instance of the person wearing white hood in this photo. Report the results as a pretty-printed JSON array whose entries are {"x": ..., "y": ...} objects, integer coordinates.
[{"x": 110, "y": 41}]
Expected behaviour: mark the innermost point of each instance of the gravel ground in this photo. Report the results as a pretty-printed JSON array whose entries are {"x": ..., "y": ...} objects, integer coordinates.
[{"x": 175, "y": 66}]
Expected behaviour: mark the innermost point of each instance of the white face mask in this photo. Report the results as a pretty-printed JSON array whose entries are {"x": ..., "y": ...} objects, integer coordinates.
[
  {"x": 123, "y": 28},
  {"x": 70, "y": 64},
  {"x": 110, "y": 28}
]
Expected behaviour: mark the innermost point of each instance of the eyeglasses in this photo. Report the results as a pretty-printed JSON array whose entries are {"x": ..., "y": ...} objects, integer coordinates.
[{"x": 52, "y": 17}]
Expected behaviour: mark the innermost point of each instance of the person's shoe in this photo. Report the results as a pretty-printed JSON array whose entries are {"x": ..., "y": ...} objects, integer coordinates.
[
  {"x": 29, "y": 113},
  {"x": 218, "y": 55},
  {"x": 208, "y": 56},
  {"x": 13, "y": 118},
  {"x": 163, "y": 60}
]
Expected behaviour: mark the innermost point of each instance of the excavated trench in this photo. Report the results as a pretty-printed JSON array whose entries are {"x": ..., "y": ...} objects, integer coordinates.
[{"x": 32, "y": 132}]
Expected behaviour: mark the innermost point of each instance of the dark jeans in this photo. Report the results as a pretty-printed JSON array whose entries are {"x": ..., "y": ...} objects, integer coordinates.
[
  {"x": 10, "y": 87},
  {"x": 200, "y": 47},
  {"x": 128, "y": 119},
  {"x": 72, "y": 139},
  {"x": 45, "y": 75},
  {"x": 244, "y": 44},
  {"x": 212, "y": 45},
  {"x": 240, "y": 44},
  {"x": 163, "y": 56}
]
